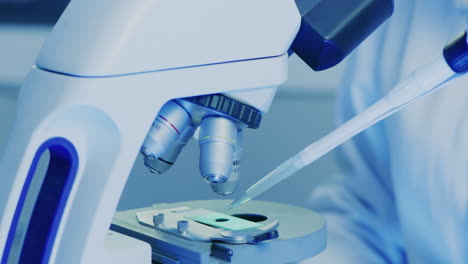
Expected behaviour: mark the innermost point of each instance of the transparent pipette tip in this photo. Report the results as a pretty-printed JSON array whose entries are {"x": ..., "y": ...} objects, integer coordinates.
[{"x": 241, "y": 200}]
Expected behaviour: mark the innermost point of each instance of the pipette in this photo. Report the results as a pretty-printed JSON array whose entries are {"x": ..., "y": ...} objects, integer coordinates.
[{"x": 423, "y": 81}]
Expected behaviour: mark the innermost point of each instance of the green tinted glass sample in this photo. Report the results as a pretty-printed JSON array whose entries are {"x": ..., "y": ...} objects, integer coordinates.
[{"x": 225, "y": 221}]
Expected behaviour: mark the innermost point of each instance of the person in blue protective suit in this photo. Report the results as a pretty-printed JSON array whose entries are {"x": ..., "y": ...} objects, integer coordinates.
[{"x": 404, "y": 196}]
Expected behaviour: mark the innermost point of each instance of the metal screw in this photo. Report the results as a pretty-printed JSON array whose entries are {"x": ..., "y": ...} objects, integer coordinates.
[
  {"x": 158, "y": 219},
  {"x": 182, "y": 226}
]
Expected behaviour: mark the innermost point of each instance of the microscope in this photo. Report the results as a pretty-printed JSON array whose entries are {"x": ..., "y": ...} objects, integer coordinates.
[{"x": 119, "y": 78}]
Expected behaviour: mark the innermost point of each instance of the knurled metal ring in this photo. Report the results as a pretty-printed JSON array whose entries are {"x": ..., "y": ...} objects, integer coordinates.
[{"x": 228, "y": 106}]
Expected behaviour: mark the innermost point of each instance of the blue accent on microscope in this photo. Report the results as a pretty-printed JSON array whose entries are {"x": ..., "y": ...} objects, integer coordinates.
[
  {"x": 50, "y": 203},
  {"x": 456, "y": 54}
]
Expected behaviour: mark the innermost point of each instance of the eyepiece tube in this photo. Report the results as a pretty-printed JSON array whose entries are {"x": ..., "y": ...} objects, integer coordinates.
[
  {"x": 217, "y": 143},
  {"x": 166, "y": 129}
]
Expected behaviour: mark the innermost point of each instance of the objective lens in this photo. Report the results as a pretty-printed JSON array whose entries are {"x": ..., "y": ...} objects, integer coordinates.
[
  {"x": 166, "y": 128},
  {"x": 217, "y": 144},
  {"x": 163, "y": 163},
  {"x": 228, "y": 187}
]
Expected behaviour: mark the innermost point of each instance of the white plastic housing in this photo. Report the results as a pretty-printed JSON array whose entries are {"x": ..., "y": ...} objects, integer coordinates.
[{"x": 150, "y": 35}]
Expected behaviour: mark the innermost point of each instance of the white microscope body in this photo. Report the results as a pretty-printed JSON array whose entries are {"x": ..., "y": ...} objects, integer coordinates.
[{"x": 100, "y": 80}]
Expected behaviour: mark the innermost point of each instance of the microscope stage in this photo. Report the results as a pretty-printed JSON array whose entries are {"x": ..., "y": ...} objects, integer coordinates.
[{"x": 203, "y": 232}]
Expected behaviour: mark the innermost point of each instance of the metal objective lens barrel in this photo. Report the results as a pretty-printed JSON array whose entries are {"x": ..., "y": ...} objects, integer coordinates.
[
  {"x": 163, "y": 163},
  {"x": 217, "y": 144},
  {"x": 166, "y": 129},
  {"x": 228, "y": 187}
]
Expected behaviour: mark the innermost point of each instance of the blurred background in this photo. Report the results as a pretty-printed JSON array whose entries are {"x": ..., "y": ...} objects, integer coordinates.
[{"x": 303, "y": 111}]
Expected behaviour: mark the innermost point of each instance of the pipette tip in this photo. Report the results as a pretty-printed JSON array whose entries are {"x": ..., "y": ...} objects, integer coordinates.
[{"x": 241, "y": 200}]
